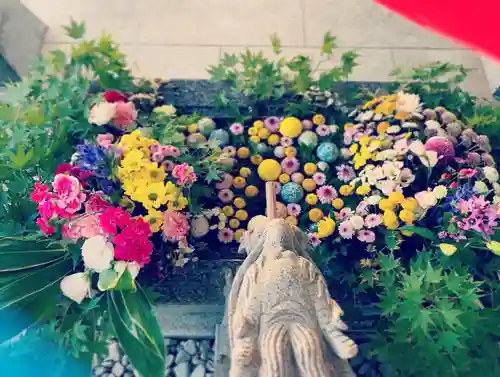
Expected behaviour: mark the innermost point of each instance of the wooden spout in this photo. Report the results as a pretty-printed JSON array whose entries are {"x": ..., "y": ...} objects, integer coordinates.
[{"x": 270, "y": 200}]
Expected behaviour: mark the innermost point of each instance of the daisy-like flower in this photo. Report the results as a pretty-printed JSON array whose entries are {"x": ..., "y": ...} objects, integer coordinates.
[
  {"x": 225, "y": 235},
  {"x": 237, "y": 129},
  {"x": 408, "y": 103},
  {"x": 372, "y": 220},
  {"x": 226, "y": 195},
  {"x": 323, "y": 130},
  {"x": 319, "y": 178},
  {"x": 346, "y": 230},
  {"x": 293, "y": 209},
  {"x": 286, "y": 141},
  {"x": 229, "y": 151},
  {"x": 326, "y": 194},
  {"x": 345, "y": 173},
  {"x": 313, "y": 239},
  {"x": 344, "y": 214},
  {"x": 367, "y": 236},
  {"x": 290, "y": 165},
  {"x": 272, "y": 123}
]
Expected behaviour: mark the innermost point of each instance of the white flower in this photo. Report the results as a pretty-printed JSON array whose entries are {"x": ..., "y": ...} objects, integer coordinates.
[
  {"x": 496, "y": 200},
  {"x": 409, "y": 103},
  {"x": 333, "y": 129},
  {"x": 373, "y": 200},
  {"x": 440, "y": 192},
  {"x": 322, "y": 165},
  {"x": 387, "y": 186},
  {"x": 199, "y": 226},
  {"x": 357, "y": 222},
  {"x": 102, "y": 113},
  {"x": 401, "y": 146},
  {"x": 491, "y": 174},
  {"x": 426, "y": 199},
  {"x": 431, "y": 124},
  {"x": 393, "y": 129},
  {"x": 391, "y": 169},
  {"x": 480, "y": 187},
  {"x": 406, "y": 177},
  {"x": 428, "y": 158},
  {"x": 76, "y": 286},
  {"x": 496, "y": 188},
  {"x": 132, "y": 267},
  {"x": 388, "y": 154},
  {"x": 417, "y": 147},
  {"x": 97, "y": 253}
]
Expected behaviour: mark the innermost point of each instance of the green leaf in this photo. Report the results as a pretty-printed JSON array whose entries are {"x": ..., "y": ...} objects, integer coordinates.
[
  {"x": 126, "y": 282},
  {"x": 328, "y": 44},
  {"x": 217, "y": 73},
  {"x": 107, "y": 280},
  {"x": 433, "y": 276},
  {"x": 75, "y": 30},
  {"x": 21, "y": 158},
  {"x": 422, "y": 321},
  {"x": 450, "y": 316},
  {"x": 276, "y": 43},
  {"x": 391, "y": 240},
  {"x": 422, "y": 232},
  {"x": 387, "y": 262},
  {"x": 137, "y": 331},
  {"x": 449, "y": 341}
]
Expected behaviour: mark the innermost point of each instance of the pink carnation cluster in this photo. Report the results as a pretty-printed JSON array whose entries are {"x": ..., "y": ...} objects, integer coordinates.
[
  {"x": 184, "y": 174},
  {"x": 161, "y": 152}
]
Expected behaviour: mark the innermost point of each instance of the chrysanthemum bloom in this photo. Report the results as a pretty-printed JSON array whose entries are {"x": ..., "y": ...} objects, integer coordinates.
[
  {"x": 367, "y": 236},
  {"x": 290, "y": 165},
  {"x": 293, "y": 209},
  {"x": 237, "y": 129},
  {"x": 346, "y": 230},
  {"x": 345, "y": 173},
  {"x": 313, "y": 239},
  {"x": 225, "y": 235},
  {"x": 372, "y": 220},
  {"x": 326, "y": 194}
]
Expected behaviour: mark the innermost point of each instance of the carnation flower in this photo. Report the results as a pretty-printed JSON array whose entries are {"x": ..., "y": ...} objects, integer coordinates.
[
  {"x": 346, "y": 230},
  {"x": 467, "y": 173},
  {"x": 323, "y": 130},
  {"x": 367, "y": 236},
  {"x": 345, "y": 173},
  {"x": 184, "y": 174},
  {"x": 113, "y": 219},
  {"x": 290, "y": 165},
  {"x": 326, "y": 194},
  {"x": 102, "y": 113},
  {"x": 293, "y": 209},
  {"x": 272, "y": 123},
  {"x": 125, "y": 115},
  {"x": 112, "y": 96},
  {"x": 408, "y": 103},
  {"x": 175, "y": 226},
  {"x": 319, "y": 178},
  {"x": 45, "y": 227},
  {"x": 105, "y": 140},
  {"x": 313, "y": 239},
  {"x": 225, "y": 235},
  {"x": 373, "y": 220},
  {"x": 40, "y": 192},
  {"x": 133, "y": 244},
  {"x": 237, "y": 129}
]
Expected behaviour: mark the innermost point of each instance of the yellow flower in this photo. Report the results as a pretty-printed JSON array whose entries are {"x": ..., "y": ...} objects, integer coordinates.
[
  {"x": 234, "y": 223},
  {"x": 448, "y": 249},
  {"x": 243, "y": 152},
  {"x": 366, "y": 263},
  {"x": 263, "y": 133},
  {"x": 338, "y": 203},
  {"x": 178, "y": 204},
  {"x": 291, "y": 220},
  {"x": 406, "y": 216},
  {"x": 315, "y": 214},
  {"x": 255, "y": 139},
  {"x": 309, "y": 185},
  {"x": 310, "y": 168},
  {"x": 396, "y": 197},
  {"x": 228, "y": 211},
  {"x": 374, "y": 145},
  {"x": 166, "y": 109},
  {"x": 386, "y": 108},
  {"x": 326, "y": 227},
  {"x": 245, "y": 172},
  {"x": 290, "y": 152},
  {"x": 155, "y": 220},
  {"x": 363, "y": 190},
  {"x": 258, "y": 124},
  {"x": 152, "y": 195},
  {"x": 256, "y": 159},
  {"x": 241, "y": 215},
  {"x": 364, "y": 140},
  {"x": 273, "y": 139},
  {"x": 291, "y": 127},
  {"x": 386, "y": 205},
  {"x": 494, "y": 246},
  {"x": 319, "y": 119},
  {"x": 127, "y": 204},
  {"x": 284, "y": 178},
  {"x": 252, "y": 131},
  {"x": 410, "y": 204},
  {"x": 359, "y": 161},
  {"x": 346, "y": 190},
  {"x": 269, "y": 170},
  {"x": 251, "y": 191},
  {"x": 402, "y": 115},
  {"x": 354, "y": 148},
  {"x": 390, "y": 220},
  {"x": 238, "y": 234},
  {"x": 383, "y": 127},
  {"x": 366, "y": 153},
  {"x": 192, "y": 128},
  {"x": 239, "y": 182},
  {"x": 134, "y": 160},
  {"x": 311, "y": 199},
  {"x": 156, "y": 172},
  {"x": 239, "y": 203}
]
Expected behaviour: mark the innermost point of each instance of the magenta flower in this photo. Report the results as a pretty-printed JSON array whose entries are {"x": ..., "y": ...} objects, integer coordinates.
[
  {"x": 237, "y": 128},
  {"x": 442, "y": 146},
  {"x": 442, "y": 235},
  {"x": 346, "y": 230},
  {"x": 313, "y": 239},
  {"x": 323, "y": 130},
  {"x": 290, "y": 165},
  {"x": 326, "y": 194},
  {"x": 345, "y": 173},
  {"x": 319, "y": 178},
  {"x": 293, "y": 209},
  {"x": 272, "y": 123},
  {"x": 367, "y": 236},
  {"x": 372, "y": 220},
  {"x": 227, "y": 182},
  {"x": 184, "y": 174}
]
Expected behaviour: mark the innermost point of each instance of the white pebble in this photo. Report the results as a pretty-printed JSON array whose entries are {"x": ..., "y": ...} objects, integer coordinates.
[
  {"x": 190, "y": 346},
  {"x": 114, "y": 352},
  {"x": 118, "y": 370},
  {"x": 182, "y": 370},
  {"x": 169, "y": 360},
  {"x": 210, "y": 366},
  {"x": 182, "y": 357},
  {"x": 199, "y": 371}
]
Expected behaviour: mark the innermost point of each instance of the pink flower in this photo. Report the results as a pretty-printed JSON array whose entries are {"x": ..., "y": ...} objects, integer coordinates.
[
  {"x": 272, "y": 123},
  {"x": 293, "y": 209},
  {"x": 184, "y": 174},
  {"x": 227, "y": 182},
  {"x": 230, "y": 151},
  {"x": 323, "y": 130},
  {"x": 105, "y": 140},
  {"x": 170, "y": 151},
  {"x": 86, "y": 226},
  {"x": 125, "y": 115},
  {"x": 367, "y": 236},
  {"x": 401, "y": 146},
  {"x": 344, "y": 213},
  {"x": 277, "y": 187},
  {"x": 236, "y": 128},
  {"x": 114, "y": 219},
  {"x": 313, "y": 239},
  {"x": 346, "y": 230},
  {"x": 175, "y": 226},
  {"x": 47, "y": 209},
  {"x": 96, "y": 203},
  {"x": 286, "y": 141},
  {"x": 112, "y": 96},
  {"x": 40, "y": 192},
  {"x": 362, "y": 208},
  {"x": 225, "y": 235},
  {"x": 225, "y": 195},
  {"x": 307, "y": 124},
  {"x": 373, "y": 220},
  {"x": 168, "y": 165},
  {"x": 319, "y": 178},
  {"x": 45, "y": 227},
  {"x": 442, "y": 146},
  {"x": 345, "y": 173},
  {"x": 326, "y": 194},
  {"x": 290, "y": 165},
  {"x": 157, "y": 157},
  {"x": 66, "y": 187},
  {"x": 467, "y": 173}
]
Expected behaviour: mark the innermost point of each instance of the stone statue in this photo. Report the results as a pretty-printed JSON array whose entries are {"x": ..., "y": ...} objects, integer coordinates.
[{"x": 281, "y": 320}]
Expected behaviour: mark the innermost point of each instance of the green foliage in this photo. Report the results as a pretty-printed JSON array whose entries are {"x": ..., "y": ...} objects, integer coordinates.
[{"x": 269, "y": 83}]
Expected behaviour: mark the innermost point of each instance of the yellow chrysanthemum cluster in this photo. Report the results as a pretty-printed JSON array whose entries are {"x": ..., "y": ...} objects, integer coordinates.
[{"x": 396, "y": 201}]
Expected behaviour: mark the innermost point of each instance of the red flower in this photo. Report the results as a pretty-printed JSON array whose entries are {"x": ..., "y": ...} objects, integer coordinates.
[
  {"x": 113, "y": 218},
  {"x": 96, "y": 204},
  {"x": 132, "y": 248},
  {"x": 453, "y": 185},
  {"x": 40, "y": 192},
  {"x": 45, "y": 227},
  {"x": 74, "y": 171},
  {"x": 446, "y": 176},
  {"x": 140, "y": 228},
  {"x": 467, "y": 173},
  {"x": 114, "y": 96}
]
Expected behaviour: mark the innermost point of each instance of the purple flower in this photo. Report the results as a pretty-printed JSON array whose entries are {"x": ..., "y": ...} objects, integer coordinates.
[
  {"x": 345, "y": 173},
  {"x": 290, "y": 165},
  {"x": 442, "y": 235},
  {"x": 319, "y": 178},
  {"x": 326, "y": 194},
  {"x": 373, "y": 220},
  {"x": 346, "y": 230},
  {"x": 367, "y": 236},
  {"x": 293, "y": 209},
  {"x": 237, "y": 128},
  {"x": 323, "y": 130},
  {"x": 272, "y": 123},
  {"x": 313, "y": 239}
]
